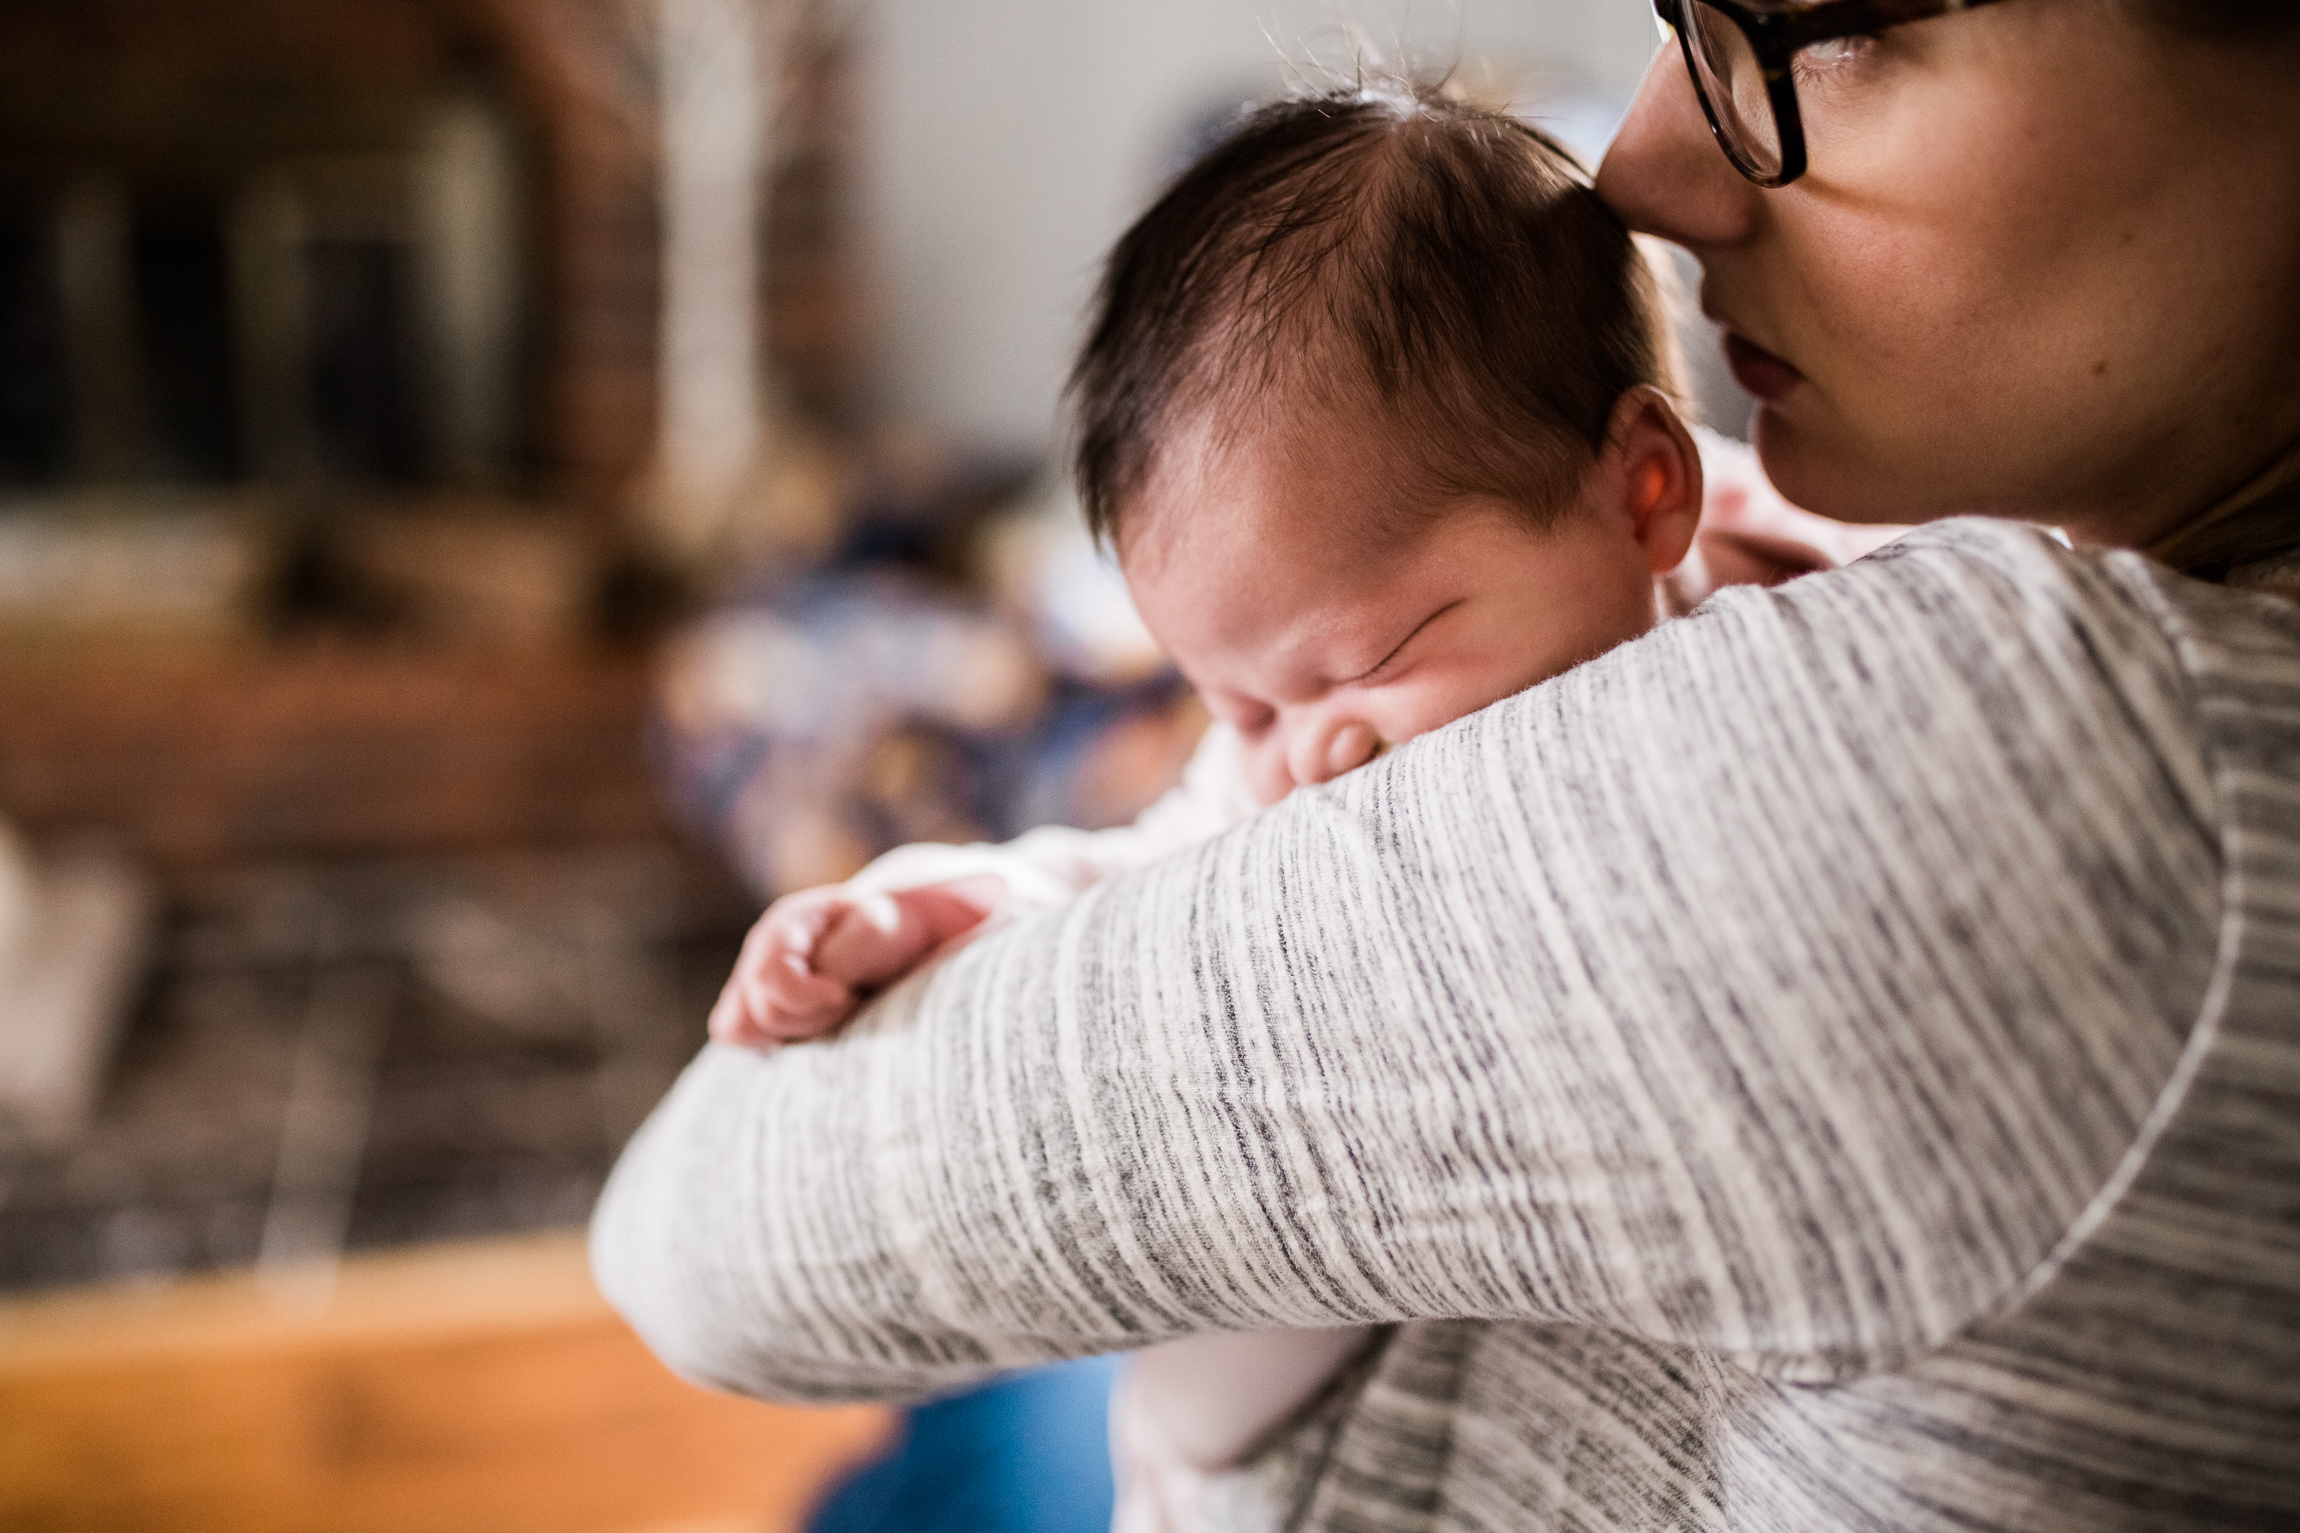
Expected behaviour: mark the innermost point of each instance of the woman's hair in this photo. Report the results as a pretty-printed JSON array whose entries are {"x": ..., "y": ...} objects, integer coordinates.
[
  {"x": 2221, "y": 18},
  {"x": 1444, "y": 269}
]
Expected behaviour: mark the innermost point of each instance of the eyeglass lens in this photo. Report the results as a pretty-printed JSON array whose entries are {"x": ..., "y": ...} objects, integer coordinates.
[{"x": 1726, "y": 69}]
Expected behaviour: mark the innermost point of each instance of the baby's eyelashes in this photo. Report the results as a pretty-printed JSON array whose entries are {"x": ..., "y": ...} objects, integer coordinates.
[{"x": 1383, "y": 669}]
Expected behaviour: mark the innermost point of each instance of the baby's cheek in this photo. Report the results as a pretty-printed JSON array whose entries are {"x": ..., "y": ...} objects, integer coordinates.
[
  {"x": 1511, "y": 674},
  {"x": 1428, "y": 704},
  {"x": 1266, "y": 771}
]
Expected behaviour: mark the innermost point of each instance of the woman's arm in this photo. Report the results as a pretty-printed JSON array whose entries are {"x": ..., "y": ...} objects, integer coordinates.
[{"x": 1784, "y": 983}]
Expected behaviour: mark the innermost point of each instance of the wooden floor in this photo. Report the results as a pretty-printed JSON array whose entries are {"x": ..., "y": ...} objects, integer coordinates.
[{"x": 483, "y": 1388}]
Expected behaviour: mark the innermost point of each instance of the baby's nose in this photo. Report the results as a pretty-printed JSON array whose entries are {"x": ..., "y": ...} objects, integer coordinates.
[{"x": 1326, "y": 750}]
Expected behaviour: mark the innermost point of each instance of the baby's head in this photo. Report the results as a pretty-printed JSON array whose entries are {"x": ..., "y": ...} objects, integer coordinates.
[{"x": 1376, "y": 410}]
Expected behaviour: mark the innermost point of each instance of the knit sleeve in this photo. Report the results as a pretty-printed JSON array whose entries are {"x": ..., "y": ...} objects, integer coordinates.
[{"x": 1783, "y": 984}]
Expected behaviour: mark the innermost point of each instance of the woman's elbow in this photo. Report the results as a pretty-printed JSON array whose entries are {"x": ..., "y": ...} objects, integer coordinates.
[{"x": 654, "y": 1278}]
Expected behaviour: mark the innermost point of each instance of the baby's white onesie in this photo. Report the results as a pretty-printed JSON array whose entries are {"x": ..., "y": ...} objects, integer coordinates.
[
  {"x": 1186, "y": 1410},
  {"x": 1047, "y": 868}
]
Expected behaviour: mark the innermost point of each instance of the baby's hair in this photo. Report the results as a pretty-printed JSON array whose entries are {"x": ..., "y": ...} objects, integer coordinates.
[{"x": 1447, "y": 267}]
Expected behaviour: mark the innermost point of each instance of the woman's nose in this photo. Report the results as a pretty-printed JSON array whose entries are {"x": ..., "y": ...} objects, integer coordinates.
[
  {"x": 1323, "y": 749},
  {"x": 1665, "y": 174}
]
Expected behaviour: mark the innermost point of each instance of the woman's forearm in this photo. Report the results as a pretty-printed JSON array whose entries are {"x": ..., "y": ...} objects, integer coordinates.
[{"x": 1784, "y": 984}]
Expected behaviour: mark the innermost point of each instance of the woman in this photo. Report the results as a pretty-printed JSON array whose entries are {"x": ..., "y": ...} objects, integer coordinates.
[{"x": 1832, "y": 1063}]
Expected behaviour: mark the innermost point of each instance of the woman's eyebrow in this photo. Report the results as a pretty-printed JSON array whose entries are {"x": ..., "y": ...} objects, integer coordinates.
[{"x": 1402, "y": 643}]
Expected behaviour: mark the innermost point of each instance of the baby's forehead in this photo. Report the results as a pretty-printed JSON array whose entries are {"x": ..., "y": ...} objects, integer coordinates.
[
  {"x": 1262, "y": 548},
  {"x": 1321, "y": 483}
]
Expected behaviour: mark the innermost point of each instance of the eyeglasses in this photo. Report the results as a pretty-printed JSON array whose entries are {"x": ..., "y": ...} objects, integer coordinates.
[{"x": 1740, "y": 53}]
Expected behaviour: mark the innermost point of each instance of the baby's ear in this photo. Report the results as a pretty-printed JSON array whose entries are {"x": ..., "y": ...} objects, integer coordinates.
[{"x": 1656, "y": 470}]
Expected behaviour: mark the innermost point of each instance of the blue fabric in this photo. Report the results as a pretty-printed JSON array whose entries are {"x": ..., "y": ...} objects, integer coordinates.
[{"x": 1029, "y": 1453}]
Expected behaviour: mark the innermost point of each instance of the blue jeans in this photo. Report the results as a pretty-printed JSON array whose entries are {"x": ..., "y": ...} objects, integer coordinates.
[{"x": 1029, "y": 1453}]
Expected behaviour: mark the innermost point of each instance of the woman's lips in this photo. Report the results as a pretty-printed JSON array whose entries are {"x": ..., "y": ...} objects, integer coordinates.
[{"x": 1758, "y": 370}]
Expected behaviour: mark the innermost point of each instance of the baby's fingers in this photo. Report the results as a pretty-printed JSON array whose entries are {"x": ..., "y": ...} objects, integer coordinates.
[
  {"x": 777, "y": 994},
  {"x": 800, "y": 997},
  {"x": 740, "y": 1015},
  {"x": 792, "y": 928},
  {"x": 779, "y": 1001}
]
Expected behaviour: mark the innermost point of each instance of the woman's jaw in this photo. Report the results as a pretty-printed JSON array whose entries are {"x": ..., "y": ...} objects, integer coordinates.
[{"x": 1797, "y": 436}]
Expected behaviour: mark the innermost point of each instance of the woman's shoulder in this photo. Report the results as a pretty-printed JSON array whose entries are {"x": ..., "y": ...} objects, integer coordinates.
[
  {"x": 1956, "y": 582},
  {"x": 2134, "y": 666},
  {"x": 1988, "y": 549},
  {"x": 2032, "y": 570},
  {"x": 1967, "y": 650},
  {"x": 1965, "y": 567}
]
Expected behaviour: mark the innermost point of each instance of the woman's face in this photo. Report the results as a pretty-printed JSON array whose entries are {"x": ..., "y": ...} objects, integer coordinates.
[{"x": 2045, "y": 262}]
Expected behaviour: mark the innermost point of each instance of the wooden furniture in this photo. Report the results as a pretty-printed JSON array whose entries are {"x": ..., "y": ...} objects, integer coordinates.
[
  {"x": 210, "y": 756},
  {"x": 483, "y": 1388}
]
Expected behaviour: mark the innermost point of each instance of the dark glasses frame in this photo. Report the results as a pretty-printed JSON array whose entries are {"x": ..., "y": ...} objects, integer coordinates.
[{"x": 1776, "y": 29}]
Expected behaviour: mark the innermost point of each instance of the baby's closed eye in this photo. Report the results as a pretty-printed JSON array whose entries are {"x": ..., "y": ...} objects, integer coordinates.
[{"x": 1394, "y": 661}]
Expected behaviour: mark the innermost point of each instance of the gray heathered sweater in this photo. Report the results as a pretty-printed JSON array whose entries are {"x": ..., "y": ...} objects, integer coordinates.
[{"x": 1833, "y": 1063}]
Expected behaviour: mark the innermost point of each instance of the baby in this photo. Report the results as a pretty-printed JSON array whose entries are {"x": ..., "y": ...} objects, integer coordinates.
[{"x": 1376, "y": 411}]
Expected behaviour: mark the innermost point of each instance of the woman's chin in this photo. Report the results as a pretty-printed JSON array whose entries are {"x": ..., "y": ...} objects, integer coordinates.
[{"x": 1825, "y": 478}]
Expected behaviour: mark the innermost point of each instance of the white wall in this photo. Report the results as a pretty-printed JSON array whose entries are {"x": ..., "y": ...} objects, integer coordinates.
[{"x": 1008, "y": 142}]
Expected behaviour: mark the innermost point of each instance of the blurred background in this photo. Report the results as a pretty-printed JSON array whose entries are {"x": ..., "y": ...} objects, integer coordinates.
[{"x": 490, "y": 492}]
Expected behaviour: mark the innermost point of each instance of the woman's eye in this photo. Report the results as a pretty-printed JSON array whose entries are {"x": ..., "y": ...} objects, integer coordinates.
[{"x": 1832, "y": 53}]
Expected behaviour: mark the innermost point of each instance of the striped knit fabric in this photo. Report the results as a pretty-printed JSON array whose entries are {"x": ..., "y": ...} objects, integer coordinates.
[{"x": 1834, "y": 1063}]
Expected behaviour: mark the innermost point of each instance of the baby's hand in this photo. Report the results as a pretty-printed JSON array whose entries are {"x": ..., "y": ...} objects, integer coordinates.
[{"x": 815, "y": 955}]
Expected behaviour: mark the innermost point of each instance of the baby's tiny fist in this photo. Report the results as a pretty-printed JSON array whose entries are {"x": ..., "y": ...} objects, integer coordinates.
[
  {"x": 867, "y": 943},
  {"x": 777, "y": 994}
]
